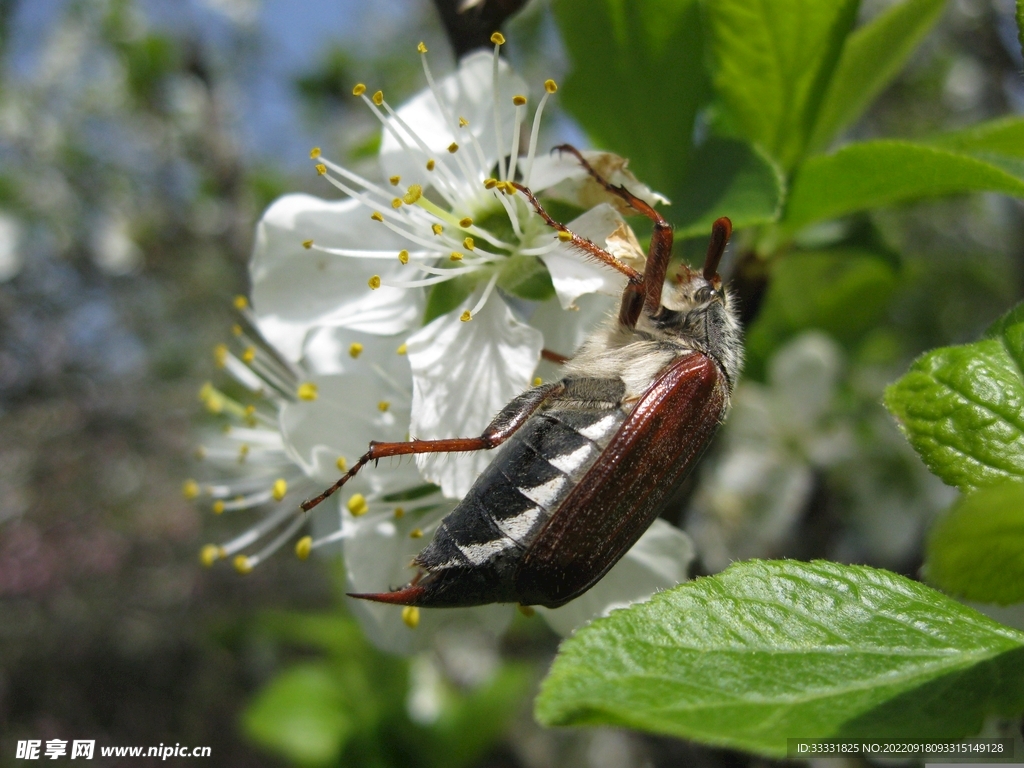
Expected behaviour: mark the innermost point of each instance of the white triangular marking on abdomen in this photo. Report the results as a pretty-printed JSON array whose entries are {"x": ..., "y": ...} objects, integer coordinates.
[
  {"x": 570, "y": 462},
  {"x": 600, "y": 429},
  {"x": 545, "y": 494},
  {"x": 481, "y": 553},
  {"x": 519, "y": 526}
]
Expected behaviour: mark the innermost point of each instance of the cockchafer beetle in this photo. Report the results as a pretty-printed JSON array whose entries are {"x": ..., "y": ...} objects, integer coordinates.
[{"x": 588, "y": 462}]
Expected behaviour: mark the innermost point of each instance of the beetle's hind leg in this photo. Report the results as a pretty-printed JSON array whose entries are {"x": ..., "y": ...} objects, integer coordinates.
[{"x": 503, "y": 426}]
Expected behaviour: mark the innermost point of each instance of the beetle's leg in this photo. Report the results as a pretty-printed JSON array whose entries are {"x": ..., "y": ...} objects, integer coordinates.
[
  {"x": 553, "y": 357},
  {"x": 661, "y": 238},
  {"x": 580, "y": 242},
  {"x": 633, "y": 296},
  {"x": 504, "y": 425}
]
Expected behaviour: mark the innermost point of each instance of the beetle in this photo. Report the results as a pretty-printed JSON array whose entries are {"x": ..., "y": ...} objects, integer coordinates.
[{"x": 587, "y": 463}]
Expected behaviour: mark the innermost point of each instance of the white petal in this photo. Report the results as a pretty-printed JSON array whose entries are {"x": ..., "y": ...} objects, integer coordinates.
[
  {"x": 463, "y": 374},
  {"x": 565, "y": 331},
  {"x": 573, "y": 272},
  {"x": 563, "y": 178},
  {"x": 377, "y": 557},
  {"x": 294, "y": 289},
  {"x": 468, "y": 92},
  {"x": 342, "y": 421},
  {"x": 659, "y": 560}
]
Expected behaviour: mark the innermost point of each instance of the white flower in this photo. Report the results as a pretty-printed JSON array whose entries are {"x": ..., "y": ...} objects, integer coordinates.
[
  {"x": 444, "y": 219},
  {"x": 338, "y": 289}
]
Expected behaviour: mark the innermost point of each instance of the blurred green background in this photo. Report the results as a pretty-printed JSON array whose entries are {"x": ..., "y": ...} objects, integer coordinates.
[{"x": 140, "y": 142}]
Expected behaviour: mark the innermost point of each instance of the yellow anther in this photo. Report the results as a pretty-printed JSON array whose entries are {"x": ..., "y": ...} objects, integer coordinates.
[
  {"x": 510, "y": 188},
  {"x": 307, "y": 244},
  {"x": 241, "y": 302},
  {"x": 220, "y": 354},
  {"x": 564, "y": 235},
  {"x": 243, "y": 452},
  {"x": 210, "y": 554},
  {"x": 395, "y": 180},
  {"x": 355, "y": 349},
  {"x": 463, "y": 122},
  {"x": 242, "y": 565},
  {"x": 308, "y": 391},
  {"x": 321, "y": 168},
  {"x": 518, "y": 100},
  {"x": 383, "y": 406},
  {"x": 374, "y": 282},
  {"x": 402, "y": 349},
  {"x": 359, "y": 89},
  {"x": 279, "y": 489},
  {"x": 213, "y": 399},
  {"x": 200, "y": 454},
  {"x": 403, "y": 256},
  {"x": 468, "y": 244},
  {"x": 456, "y": 256},
  {"x": 250, "y": 410},
  {"x": 422, "y": 47},
  {"x": 399, "y": 513},
  {"x": 437, "y": 229},
  {"x": 357, "y": 505},
  {"x": 466, "y": 316},
  {"x": 490, "y": 183},
  {"x": 466, "y": 222},
  {"x": 236, "y": 329},
  {"x": 190, "y": 489},
  {"x": 537, "y": 381},
  {"x": 377, "y": 216},
  {"x": 303, "y": 547},
  {"x": 453, "y": 147},
  {"x": 414, "y": 193},
  {"x": 249, "y": 354},
  {"x": 341, "y": 464},
  {"x": 416, "y": 533},
  {"x": 314, "y": 153},
  {"x": 550, "y": 86},
  {"x": 218, "y": 507},
  {"x": 411, "y": 616},
  {"x": 378, "y": 98},
  {"x": 430, "y": 165},
  {"x": 526, "y": 610},
  {"x": 498, "y": 39},
  {"x": 396, "y": 202}
]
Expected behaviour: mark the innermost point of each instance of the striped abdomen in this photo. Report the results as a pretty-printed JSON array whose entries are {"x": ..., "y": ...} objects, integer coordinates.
[{"x": 475, "y": 551}]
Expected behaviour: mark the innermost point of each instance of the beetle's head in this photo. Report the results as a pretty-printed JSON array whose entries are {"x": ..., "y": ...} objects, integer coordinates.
[
  {"x": 698, "y": 311},
  {"x": 701, "y": 290}
]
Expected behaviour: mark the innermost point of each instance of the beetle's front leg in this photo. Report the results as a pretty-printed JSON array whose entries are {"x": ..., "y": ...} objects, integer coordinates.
[{"x": 501, "y": 428}]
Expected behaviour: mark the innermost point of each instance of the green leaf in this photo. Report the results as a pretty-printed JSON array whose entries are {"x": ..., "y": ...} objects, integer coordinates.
[
  {"x": 962, "y": 408},
  {"x": 637, "y": 80},
  {"x": 842, "y": 291},
  {"x": 527, "y": 278},
  {"x": 773, "y": 649},
  {"x": 300, "y": 715},
  {"x": 977, "y": 550},
  {"x": 729, "y": 178},
  {"x": 1003, "y": 137},
  {"x": 877, "y": 173},
  {"x": 871, "y": 58},
  {"x": 773, "y": 63}
]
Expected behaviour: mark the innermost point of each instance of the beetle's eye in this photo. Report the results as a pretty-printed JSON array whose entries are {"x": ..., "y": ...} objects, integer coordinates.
[{"x": 704, "y": 293}]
